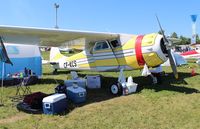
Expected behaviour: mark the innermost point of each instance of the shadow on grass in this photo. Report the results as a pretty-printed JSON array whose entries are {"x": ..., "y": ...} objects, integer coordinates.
[
  {"x": 168, "y": 83},
  {"x": 50, "y": 81},
  {"x": 64, "y": 72},
  {"x": 103, "y": 94}
]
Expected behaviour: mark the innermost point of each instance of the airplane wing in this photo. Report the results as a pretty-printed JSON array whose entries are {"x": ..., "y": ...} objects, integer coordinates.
[{"x": 49, "y": 36}]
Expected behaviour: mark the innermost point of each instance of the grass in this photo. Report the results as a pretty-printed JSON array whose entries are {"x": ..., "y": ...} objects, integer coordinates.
[{"x": 173, "y": 104}]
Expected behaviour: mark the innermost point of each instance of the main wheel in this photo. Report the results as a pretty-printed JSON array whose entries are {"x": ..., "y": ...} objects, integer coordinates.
[{"x": 116, "y": 89}]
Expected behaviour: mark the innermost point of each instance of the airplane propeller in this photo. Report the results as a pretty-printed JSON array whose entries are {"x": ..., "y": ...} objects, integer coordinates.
[{"x": 168, "y": 45}]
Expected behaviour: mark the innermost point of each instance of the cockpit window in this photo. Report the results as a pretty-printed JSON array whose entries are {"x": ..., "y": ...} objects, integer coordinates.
[
  {"x": 104, "y": 45},
  {"x": 101, "y": 45},
  {"x": 98, "y": 46},
  {"x": 115, "y": 43}
]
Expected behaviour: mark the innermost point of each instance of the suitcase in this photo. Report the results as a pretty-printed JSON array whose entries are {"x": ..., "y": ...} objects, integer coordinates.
[
  {"x": 54, "y": 104},
  {"x": 93, "y": 82},
  {"x": 76, "y": 94}
]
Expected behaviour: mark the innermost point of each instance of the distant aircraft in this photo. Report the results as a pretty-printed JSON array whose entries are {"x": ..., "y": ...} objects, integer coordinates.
[
  {"x": 179, "y": 60},
  {"x": 65, "y": 49},
  {"x": 192, "y": 54},
  {"x": 102, "y": 51}
]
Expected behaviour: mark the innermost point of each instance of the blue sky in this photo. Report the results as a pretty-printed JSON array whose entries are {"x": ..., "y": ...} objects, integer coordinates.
[{"x": 120, "y": 16}]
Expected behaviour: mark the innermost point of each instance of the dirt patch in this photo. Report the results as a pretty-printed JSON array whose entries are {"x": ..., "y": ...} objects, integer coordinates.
[{"x": 12, "y": 119}]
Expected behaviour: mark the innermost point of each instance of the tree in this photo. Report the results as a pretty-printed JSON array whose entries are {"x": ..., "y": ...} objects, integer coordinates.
[
  {"x": 174, "y": 35},
  {"x": 184, "y": 40},
  {"x": 197, "y": 39}
]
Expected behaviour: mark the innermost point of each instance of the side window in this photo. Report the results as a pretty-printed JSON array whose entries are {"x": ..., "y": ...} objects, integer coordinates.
[
  {"x": 97, "y": 47},
  {"x": 101, "y": 46},
  {"x": 104, "y": 45},
  {"x": 115, "y": 43}
]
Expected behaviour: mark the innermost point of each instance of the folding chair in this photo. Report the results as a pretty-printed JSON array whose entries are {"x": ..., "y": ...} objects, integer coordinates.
[
  {"x": 19, "y": 86},
  {"x": 26, "y": 82}
]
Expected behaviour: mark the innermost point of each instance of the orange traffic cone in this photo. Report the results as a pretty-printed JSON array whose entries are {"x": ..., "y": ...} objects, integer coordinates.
[{"x": 193, "y": 72}]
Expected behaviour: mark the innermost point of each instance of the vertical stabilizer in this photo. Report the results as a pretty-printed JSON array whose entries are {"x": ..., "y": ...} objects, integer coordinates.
[{"x": 54, "y": 54}]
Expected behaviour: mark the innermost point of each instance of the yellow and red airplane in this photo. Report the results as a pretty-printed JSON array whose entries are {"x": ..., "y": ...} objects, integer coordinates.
[
  {"x": 123, "y": 51},
  {"x": 102, "y": 51}
]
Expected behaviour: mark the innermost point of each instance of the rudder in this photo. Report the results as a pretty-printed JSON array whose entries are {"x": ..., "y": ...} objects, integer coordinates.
[{"x": 53, "y": 53}]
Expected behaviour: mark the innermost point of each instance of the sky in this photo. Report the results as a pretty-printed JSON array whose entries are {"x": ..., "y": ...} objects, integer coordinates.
[{"x": 118, "y": 16}]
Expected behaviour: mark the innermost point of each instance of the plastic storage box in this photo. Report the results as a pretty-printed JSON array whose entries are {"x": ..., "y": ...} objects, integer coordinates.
[
  {"x": 76, "y": 94},
  {"x": 54, "y": 104},
  {"x": 129, "y": 87},
  {"x": 79, "y": 82},
  {"x": 93, "y": 82}
]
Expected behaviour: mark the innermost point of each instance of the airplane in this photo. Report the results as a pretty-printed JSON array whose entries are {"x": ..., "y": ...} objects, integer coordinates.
[
  {"x": 65, "y": 49},
  {"x": 192, "y": 54},
  {"x": 102, "y": 51},
  {"x": 179, "y": 60}
]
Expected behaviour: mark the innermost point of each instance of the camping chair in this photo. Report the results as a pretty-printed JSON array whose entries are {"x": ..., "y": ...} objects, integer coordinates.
[
  {"x": 25, "y": 85},
  {"x": 26, "y": 82},
  {"x": 29, "y": 81},
  {"x": 19, "y": 86}
]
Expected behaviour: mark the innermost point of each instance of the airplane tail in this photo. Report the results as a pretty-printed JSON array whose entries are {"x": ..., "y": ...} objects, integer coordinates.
[{"x": 55, "y": 54}]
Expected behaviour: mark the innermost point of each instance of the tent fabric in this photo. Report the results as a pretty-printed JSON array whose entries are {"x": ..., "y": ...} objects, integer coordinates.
[{"x": 3, "y": 53}]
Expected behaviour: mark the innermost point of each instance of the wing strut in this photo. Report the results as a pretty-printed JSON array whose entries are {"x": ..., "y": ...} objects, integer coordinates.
[{"x": 113, "y": 53}]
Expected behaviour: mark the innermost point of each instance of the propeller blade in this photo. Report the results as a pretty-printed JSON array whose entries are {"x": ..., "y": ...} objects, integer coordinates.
[
  {"x": 172, "y": 63},
  {"x": 165, "y": 39},
  {"x": 168, "y": 44}
]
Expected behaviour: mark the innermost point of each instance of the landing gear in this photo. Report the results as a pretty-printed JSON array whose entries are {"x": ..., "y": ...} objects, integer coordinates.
[
  {"x": 55, "y": 72},
  {"x": 116, "y": 89}
]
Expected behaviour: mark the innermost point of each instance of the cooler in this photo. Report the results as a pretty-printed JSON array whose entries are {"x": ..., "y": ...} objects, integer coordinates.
[
  {"x": 79, "y": 82},
  {"x": 76, "y": 94},
  {"x": 93, "y": 82},
  {"x": 54, "y": 104}
]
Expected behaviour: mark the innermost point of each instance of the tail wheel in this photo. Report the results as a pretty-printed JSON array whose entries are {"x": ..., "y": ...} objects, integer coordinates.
[{"x": 116, "y": 89}]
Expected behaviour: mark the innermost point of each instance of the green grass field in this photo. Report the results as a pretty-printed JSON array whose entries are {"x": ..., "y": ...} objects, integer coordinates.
[{"x": 175, "y": 104}]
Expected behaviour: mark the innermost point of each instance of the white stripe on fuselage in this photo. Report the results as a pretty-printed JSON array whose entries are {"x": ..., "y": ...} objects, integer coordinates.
[{"x": 110, "y": 55}]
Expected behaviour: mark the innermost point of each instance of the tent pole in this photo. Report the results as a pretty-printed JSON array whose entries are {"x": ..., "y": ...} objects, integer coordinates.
[{"x": 2, "y": 78}]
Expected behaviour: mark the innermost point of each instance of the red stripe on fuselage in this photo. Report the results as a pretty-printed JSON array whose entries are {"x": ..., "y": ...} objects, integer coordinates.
[{"x": 138, "y": 50}]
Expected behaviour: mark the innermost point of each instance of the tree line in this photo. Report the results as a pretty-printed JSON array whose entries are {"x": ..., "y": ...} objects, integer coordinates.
[{"x": 183, "y": 40}]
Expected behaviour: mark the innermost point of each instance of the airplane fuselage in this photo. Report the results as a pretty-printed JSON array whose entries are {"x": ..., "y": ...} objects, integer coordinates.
[{"x": 106, "y": 56}]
